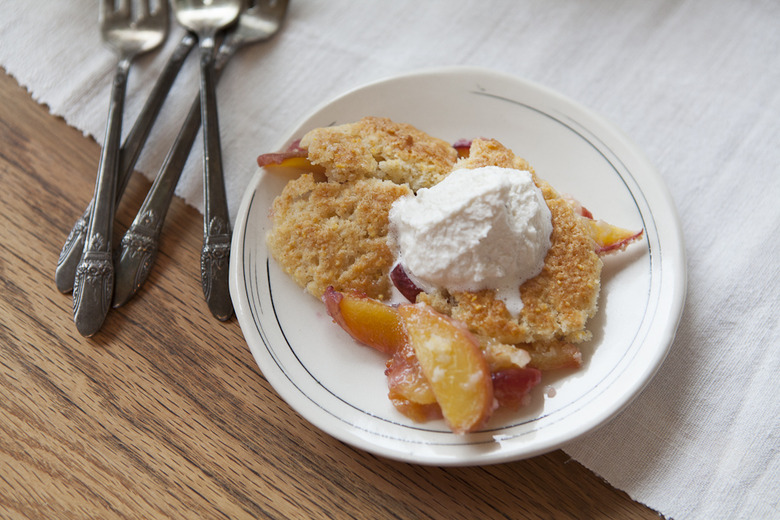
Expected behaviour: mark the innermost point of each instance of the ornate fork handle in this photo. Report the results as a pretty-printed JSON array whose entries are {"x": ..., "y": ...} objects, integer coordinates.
[
  {"x": 216, "y": 228},
  {"x": 94, "y": 279},
  {"x": 128, "y": 155},
  {"x": 138, "y": 248}
]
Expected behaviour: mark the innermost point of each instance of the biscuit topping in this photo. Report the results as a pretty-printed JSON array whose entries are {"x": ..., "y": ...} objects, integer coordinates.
[{"x": 505, "y": 272}]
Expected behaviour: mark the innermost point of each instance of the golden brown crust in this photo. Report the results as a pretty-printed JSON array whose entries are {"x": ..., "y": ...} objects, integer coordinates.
[
  {"x": 556, "y": 303},
  {"x": 326, "y": 233},
  {"x": 335, "y": 233},
  {"x": 490, "y": 152},
  {"x": 381, "y": 148},
  {"x": 553, "y": 355}
]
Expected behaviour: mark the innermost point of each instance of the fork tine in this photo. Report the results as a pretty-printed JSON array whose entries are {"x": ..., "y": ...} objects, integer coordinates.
[
  {"x": 142, "y": 8},
  {"x": 268, "y": 7},
  {"x": 277, "y": 7},
  {"x": 106, "y": 7},
  {"x": 162, "y": 7},
  {"x": 124, "y": 7},
  {"x": 154, "y": 7}
]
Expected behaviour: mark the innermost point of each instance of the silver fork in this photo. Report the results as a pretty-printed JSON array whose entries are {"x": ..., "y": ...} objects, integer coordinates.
[
  {"x": 128, "y": 155},
  {"x": 130, "y": 31},
  {"x": 206, "y": 18},
  {"x": 138, "y": 248}
]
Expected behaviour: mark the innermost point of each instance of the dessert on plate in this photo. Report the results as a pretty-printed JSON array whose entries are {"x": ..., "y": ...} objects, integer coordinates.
[{"x": 467, "y": 270}]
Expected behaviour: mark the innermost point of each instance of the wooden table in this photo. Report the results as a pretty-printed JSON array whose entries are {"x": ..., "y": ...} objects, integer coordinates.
[{"x": 163, "y": 413}]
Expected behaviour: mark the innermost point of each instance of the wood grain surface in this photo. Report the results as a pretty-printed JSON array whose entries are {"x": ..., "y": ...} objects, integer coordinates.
[{"x": 163, "y": 413}]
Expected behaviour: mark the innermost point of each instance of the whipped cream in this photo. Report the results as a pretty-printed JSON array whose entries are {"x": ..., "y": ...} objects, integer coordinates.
[{"x": 485, "y": 228}]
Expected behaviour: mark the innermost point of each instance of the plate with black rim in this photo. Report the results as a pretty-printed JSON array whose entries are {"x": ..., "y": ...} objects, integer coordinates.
[{"x": 339, "y": 386}]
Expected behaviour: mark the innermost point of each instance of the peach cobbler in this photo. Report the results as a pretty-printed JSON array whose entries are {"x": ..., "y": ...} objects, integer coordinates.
[{"x": 470, "y": 273}]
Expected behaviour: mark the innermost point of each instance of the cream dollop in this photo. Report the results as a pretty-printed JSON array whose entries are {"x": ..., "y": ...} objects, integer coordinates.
[{"x": 482, "y": 228}]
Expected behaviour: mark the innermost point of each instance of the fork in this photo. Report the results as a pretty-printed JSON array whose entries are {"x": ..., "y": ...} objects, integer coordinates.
[
  {"x": 128, "y": 155},
  {"x": 138, "y": 248},
  {"x": 206, "y": 18},
  {"x": 129, "y": 32}
]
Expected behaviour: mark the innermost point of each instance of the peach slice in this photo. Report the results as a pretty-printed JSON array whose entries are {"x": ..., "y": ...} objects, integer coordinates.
[
  {"x": 453, "y": 364},
  {"x": 404, "y": 284},
  {"x": 415, "y": 411},
  {"x": 463, "y": 147},
  {"x": 293, "y": 157},
  {"x": 410, "y": 392},
  {"x": 610, "y": 238},
  {"x": 298, "y": 163},
  {"x": 367, "y": 320},
  {"x": 378, "y": 325}
]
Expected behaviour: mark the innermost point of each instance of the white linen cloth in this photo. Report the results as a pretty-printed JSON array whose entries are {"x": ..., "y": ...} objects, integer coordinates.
[{"x": 695, "y": 83}]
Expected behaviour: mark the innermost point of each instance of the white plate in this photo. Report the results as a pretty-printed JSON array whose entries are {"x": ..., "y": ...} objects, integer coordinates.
[{"x": 340, "y": 387}]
